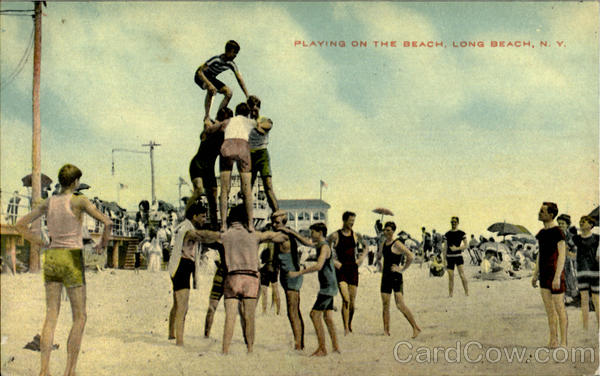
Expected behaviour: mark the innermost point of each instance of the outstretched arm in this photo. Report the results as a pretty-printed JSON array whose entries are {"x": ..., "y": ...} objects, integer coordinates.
[
  {"x": 22, "y": 224},
  {"x": 325, "y": 252},
  {"x": 274, "y": 236},
  {"x": 302, "y": 239},
  {"x": 240, "y": 81},
  {"x": 204, "y": 236},
  {"x": 91, "y": 209}
]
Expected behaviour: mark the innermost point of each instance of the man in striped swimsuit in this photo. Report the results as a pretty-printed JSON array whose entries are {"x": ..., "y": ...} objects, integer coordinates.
[{"x": 206, "y": 76}]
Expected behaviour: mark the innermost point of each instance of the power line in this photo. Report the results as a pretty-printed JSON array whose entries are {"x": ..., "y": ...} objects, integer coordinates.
[{"x": 21, "y": 63}]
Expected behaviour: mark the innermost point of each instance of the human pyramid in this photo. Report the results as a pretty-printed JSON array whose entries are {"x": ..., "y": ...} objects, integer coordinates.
[{"x": 242, "y": 140}]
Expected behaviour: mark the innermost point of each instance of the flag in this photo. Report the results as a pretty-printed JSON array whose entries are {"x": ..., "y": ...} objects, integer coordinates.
[
  {"x": 323, "y": 184},
  {"x": 122, "y": 186}
]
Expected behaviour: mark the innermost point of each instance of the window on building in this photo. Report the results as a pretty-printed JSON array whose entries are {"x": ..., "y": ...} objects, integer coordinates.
[{"x": 291, "y": 217}]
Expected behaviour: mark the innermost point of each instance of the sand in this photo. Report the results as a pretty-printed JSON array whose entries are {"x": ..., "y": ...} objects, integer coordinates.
[{"x": 126, "y": 331}]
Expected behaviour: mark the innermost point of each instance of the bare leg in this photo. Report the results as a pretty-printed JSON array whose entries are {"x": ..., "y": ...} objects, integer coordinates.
[
  {"x": 227, "y": 94},
  {"x": 585, "y": 307},
  {"x": 450, "y": 282},
  {"x": 385, "y": 300},
  {"x": 559, "y": 306},
  {"x": 407, "y": 313},
  {"x": 225, "y": 185},
  {"x": 463, "y": 278},
  {"x": 211, "y": 196},
  {"x": 270, "y": 192},
  {"x": 249, "y": 309},
  {"x": 210, "y": 315},
  {"x": 207, "y": 104},
  {"x": 263, "y": 295},
  {"x": 331, "y": 329},
  {"x": 182, "y": 298},
  {"x": 247, "y": 192},
  {"x": 552, "y": 317},
  {"x": 230, "y": 312},
  {"x": 596, "y": 308},
  {"x": 352, "y": 290},
  {"x": 315, "y": 316},
  {"x": 275, "y": 297},
  {"x": 343, "y": 286},
  {"x": 53, "y": 290},
  {"x": 172, "y": 318},
  {"x": 77, "y": 297},
  {"x": 295, "y": 317}
]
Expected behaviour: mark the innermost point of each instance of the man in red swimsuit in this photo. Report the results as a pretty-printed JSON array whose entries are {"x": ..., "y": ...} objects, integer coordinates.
[
  {"x": 549, "y": 269},
  {"x": 344, "y": 243}
]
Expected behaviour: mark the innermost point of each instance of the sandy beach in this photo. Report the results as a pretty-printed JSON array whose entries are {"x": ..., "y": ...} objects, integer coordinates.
[{"x": 126, "y": 331}]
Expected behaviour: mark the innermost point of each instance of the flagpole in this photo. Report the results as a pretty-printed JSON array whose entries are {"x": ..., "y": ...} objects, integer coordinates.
[{"x": 320, "y": 190}]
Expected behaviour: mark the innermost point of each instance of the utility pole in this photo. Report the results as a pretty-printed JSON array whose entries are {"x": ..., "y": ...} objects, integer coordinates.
[
  {"x": 36, "y": 157},
  {"x": 151, "y": 144}
]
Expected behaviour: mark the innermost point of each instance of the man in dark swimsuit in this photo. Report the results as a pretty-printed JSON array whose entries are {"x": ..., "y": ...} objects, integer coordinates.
[
  {"x": 549, "y": 269},
  {"x": 455, "y": 241},
  {"x": 344, "y": 243}
]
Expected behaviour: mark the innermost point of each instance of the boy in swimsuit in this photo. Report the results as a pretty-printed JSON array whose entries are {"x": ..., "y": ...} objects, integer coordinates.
[
  {"x": 323, "y": 307},
  {"x": 63, "y": 263},
  {"x": 588, "y": 270},
  {"x": 206, "y": 76}
]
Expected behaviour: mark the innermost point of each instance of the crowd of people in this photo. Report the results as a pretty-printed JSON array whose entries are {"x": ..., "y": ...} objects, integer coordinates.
[{"x": 242, "y": 140}]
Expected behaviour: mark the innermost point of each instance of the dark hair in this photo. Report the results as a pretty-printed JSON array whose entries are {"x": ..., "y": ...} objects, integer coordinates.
[
  {"x": 68, "y": 174},
  {"x": 348, "y": 214},
  {"x": 390, "y": 224},
  {"x": 224, "y": 113},
  {"x": 253, "y": 101},
  {"x": 242, "y": 109},
  {"x": 564, "y": 217},
  {"x": 589, "y": 219},
  {"x": 232, "y": 45},
  {"x": 453, "y": 218},
  {"x": 319, "y": 227},
  {"x": 552, "y": 208},
  {"x": 193, "y": 209},
  {"x": 152, "y": 233},
  {"x": 145, "y": 205},
  {"x": 422, "y": 228},
  {"x": 237, "y": 214}
]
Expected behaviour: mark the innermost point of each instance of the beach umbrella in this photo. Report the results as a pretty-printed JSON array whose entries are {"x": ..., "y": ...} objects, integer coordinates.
[
  {"x": 46, "y": 181},
  {"x": 503, "y": 228},
  {"x": 383, "y": 211}
]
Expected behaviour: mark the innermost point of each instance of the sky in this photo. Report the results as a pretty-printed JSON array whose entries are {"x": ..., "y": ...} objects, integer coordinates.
[{"x": 484, "y": 133}]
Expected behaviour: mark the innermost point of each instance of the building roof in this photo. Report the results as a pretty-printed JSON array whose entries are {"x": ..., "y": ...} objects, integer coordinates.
[{"x": 303, "y": 204}]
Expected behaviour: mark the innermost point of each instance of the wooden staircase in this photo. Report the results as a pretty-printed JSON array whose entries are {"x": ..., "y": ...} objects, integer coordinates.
[{"x": 130, "y": 254}]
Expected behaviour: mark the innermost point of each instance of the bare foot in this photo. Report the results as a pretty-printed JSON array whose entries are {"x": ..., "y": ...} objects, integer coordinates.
[
  {"x": 298, "y": 347},
  {"x": 416, "y": 332},
  {"x": 552, "y": 344},
  {"x": 346, "y": 332},
  {"x": 336, "y": 350},
  {"x": 251, "y": 227},
  {"x": 319, "y": 352},
  {"x": 171, "y": 337},
  {"x": 386, "y": 332}
]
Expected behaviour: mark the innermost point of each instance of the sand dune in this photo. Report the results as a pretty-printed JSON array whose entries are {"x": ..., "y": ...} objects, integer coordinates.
[{"x": 126, "y": 331}]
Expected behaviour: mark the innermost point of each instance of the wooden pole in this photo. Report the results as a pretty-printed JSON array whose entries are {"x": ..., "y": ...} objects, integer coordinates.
[
  {"x": 36, "y": 182},
  {"x": 115, "y": 255}
]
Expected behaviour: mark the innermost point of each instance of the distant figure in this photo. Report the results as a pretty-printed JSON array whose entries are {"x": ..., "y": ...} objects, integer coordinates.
[
  {"x": 572, "y": 293},
  {"x": 391, "y": 279},
  {"x": 455, "y": 241},
  {"x": 153, "y": 250},
  {"x": 142, "y": 217},
  {"x": 437, "y": 241},
  {"x": 345, "y": 244},
  {"x": 63, "y": 263},
  {"x": 206, "y": 76},
  {"x": 12, "y": 210},
  {"x": 322, "y": 310},
  {"x": 588, "y": 271},
  {"x": 549, "y": 270},
  {"x": 426, "y": 243}
]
